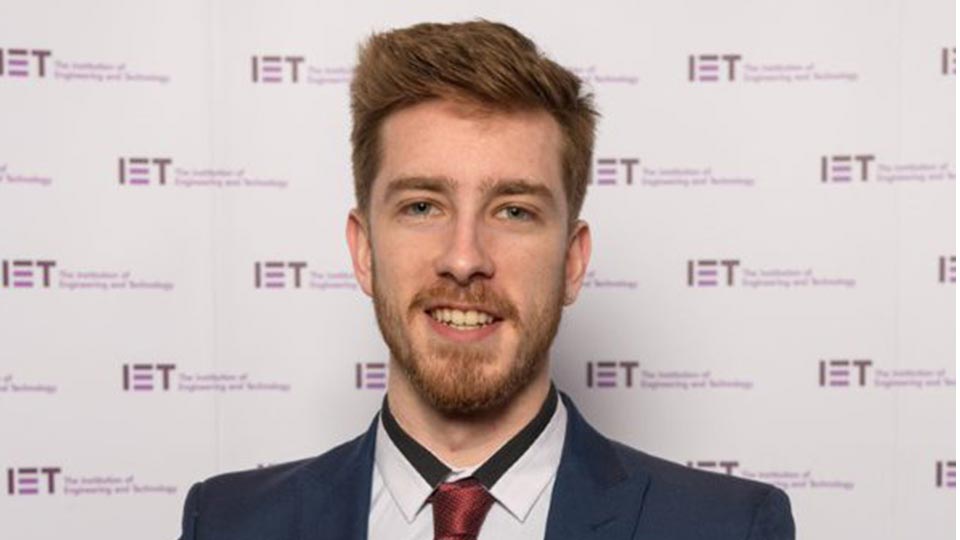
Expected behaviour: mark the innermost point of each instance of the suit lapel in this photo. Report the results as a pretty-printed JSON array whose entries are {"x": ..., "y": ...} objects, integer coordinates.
[
  {"x": 593, "y": 497},
  {"x": 335, "y": 491}
]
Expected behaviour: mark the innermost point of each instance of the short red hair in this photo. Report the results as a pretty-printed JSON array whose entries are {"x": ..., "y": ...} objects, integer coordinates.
[{"x": 484, "y": 63}]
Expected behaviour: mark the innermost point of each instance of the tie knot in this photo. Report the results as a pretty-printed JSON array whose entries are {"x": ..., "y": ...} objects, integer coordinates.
[{"x": 459, "y": 509}]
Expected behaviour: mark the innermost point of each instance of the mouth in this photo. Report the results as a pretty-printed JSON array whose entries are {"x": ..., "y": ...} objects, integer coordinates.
[
  {"x": 462, "y": 318},
  {"x": 462, "y": 323}
]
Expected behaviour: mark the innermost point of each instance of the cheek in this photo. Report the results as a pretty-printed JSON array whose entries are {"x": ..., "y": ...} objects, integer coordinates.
[
  {"x": 535, "y": 253},
  {"x": 530, "y": 272},
  {"x": 400, "y": 265}
]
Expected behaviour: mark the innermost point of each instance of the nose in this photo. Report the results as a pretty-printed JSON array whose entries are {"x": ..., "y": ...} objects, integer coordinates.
[{"x": 465, "y": 255}]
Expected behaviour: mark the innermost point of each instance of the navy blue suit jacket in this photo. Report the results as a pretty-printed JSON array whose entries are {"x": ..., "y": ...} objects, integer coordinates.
[{"x": 604, "y": 490}]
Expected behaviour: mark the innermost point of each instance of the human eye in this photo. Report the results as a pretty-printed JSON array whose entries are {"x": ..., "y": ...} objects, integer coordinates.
[
  {"x": 418, "y": 209},
  {"x": 516, "y": 213}
]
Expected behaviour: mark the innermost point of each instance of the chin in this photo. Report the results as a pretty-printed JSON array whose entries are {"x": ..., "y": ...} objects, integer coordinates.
[{"x": 470, "y": 389}]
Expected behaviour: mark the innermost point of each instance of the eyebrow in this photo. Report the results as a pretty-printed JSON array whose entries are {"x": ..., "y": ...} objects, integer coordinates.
[
  {"x": 517, "y": 186},
  {"x": 436, "y": 184},
  {"x": 490, "y": 187}
]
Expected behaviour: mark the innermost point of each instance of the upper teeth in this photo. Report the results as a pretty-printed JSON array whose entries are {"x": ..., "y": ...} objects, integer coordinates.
[{"x": 459, "y": 317}]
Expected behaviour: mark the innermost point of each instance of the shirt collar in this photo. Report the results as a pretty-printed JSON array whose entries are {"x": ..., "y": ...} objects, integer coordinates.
[
  {"x": 525, "y": 481},
  {"x": 408, "y": 489},
  {"x": 516, "y": 474}
]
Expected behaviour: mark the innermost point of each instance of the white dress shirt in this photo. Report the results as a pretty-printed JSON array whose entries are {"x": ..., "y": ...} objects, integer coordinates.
[{"x": 398, "y": 501}]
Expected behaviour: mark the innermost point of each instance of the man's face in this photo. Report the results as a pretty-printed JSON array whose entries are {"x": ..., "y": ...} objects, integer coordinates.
[{"x": 467, "y": 252}]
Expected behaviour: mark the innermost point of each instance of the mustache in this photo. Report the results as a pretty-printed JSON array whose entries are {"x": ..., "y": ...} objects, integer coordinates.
[{"x": 476, "y": 293}]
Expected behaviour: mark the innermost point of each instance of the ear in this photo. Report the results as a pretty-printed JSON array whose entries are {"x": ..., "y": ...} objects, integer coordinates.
[
  {"x": 578, "y": 256},
  {"x": 358, "y": 239}
]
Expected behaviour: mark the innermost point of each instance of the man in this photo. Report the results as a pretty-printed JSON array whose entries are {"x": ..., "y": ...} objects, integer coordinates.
[{"x": 471, "y": 154}]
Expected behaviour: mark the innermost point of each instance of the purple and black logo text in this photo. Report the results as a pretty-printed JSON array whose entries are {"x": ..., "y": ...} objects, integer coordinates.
[
  {"x": 707, "y": 272},
  {"x": 25, "y": 273},
  {"x": 275, "y": 274},
  {"x": 147, "y": 377},
  {"x": 948, "y": 269},
  {"x": 845, "y": 168},
  {"x": 371, "y": 375},
  {"x": 276, "y": 68},
  {"x": 712, "y": 67},
  {"x": 141, "y": 171},
  {"x": 947, "y": 474},
  {"x": 844, "y": 372},
  {"x": 17, "y": 62},
  {"x": 611, "y": 171},
  {"x": 32, "y": 480},
  {"x": 610, "y": 374},
  {"x": 948, "y": 61}
]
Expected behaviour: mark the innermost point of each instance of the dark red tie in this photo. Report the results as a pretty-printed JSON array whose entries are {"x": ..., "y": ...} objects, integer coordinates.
[{"x": 459, "y": 508}]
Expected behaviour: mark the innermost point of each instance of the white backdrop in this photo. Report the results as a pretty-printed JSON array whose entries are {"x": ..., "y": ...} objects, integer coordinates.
[{"x": 771, "y": 294}]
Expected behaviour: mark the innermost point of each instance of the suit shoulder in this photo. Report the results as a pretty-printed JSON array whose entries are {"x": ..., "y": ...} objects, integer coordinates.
[
  {"x": 717, "y": 502},
  {"x": 683, "y": 477},
  {"x": 257, "y": 503},
  {"x": 266, "y": 481}
]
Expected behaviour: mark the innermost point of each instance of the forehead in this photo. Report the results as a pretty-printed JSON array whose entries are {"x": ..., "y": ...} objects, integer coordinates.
[{"x": 441, "y": 138}]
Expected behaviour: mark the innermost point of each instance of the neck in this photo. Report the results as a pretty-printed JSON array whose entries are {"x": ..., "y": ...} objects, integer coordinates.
[{"x": 463, "y": 441}]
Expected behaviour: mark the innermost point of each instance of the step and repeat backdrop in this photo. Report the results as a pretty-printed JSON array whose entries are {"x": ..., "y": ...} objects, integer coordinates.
[{"x": 771, "y": 296}]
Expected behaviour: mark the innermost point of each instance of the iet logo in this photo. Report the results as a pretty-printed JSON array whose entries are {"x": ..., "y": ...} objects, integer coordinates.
[
  {"x": 143, "y": 377},
  {"x": 277, "y": 274},
  {"x": 610, "y": 171},
  {"x": 841, "y": 372},
  {"x": 17, "y": 62},
  {"x": 948, "y": 269},
  {"x": 947, "y": 474},
  {"x": 711, "y": 272},
  {"x": 141, "y": 171},
  {"x": 726, "y": 467},
  {"x": 371, "y": 375},
  {"x": 275, "y": 68},
  {"x": 609, "y": 374},
  {"x": 25, "y": 274},
  {"x": 948, "y": 61},
  {"x": 845, "y": 168},
  {"x": 32, "y": 480},
  {"x": 712, "y": 67}
]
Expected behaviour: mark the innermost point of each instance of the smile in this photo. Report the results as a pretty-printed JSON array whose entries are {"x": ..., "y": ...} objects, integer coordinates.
[
  {"x": 462, "y": 324},
  {"x": 462, "y": 320}
]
